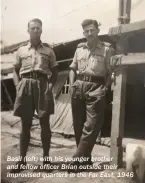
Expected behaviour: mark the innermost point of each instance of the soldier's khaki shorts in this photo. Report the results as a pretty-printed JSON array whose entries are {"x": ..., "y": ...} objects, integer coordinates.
[{"x": 33, "y": 94}]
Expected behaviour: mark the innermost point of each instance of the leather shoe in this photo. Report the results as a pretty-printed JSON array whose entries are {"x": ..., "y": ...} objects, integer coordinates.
[{"x": 20, "y": 166}]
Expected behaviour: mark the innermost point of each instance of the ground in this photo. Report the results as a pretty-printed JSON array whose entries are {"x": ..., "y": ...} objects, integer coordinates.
[{"x": 60, "y": 147}]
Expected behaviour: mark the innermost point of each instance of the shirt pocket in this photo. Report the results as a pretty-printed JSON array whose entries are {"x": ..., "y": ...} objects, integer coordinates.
[
  {"x": 82, "y": 63},
  {"x": 26, "y": 60},
  {"x": 97, "y": 63},
  {"x": 44, "y": 60}
]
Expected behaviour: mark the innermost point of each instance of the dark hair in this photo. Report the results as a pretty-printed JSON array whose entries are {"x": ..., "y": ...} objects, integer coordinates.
[
  {"x": 35, "y": 20},
  {"x": 88, "y": 22}
]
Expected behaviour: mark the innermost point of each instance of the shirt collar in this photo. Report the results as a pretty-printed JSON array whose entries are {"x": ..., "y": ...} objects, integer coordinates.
[
  {"x": 30, "y": 45},
  {"x": 98, "y": 45}
]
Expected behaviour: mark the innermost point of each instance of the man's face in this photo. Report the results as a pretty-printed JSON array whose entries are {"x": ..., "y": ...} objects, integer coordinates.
[
  {"x": 91, "y": 32},
  {"x": 35, "y": 30}
]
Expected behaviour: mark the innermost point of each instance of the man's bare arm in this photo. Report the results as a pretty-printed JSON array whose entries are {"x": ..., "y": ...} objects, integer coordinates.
[
  {"x": 53, "y": 78},
  {"x": 72, "y": 77},
  {"x": 16, "y": 77}
]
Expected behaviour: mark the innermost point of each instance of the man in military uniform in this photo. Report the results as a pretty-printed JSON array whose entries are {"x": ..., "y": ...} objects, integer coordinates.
[
  {"x": 35, "y": 74},
  {"x": 90, "y": 77}
]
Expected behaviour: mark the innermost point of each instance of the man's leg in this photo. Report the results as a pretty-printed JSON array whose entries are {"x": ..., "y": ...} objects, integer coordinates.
[
  {"x": 45, "y": 135},
  {"x": 79, "y": 117},
  {"x": 24, "y": 109},
  {"x": 94, "y": 109},
  {"x": 26, "y": 123}
]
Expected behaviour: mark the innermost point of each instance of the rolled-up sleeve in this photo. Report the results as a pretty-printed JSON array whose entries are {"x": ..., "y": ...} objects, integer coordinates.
[
  {"x": 53, "y": 62},
  {"x": 74, "y": 64},
  {"x": 17, "y": 63}
]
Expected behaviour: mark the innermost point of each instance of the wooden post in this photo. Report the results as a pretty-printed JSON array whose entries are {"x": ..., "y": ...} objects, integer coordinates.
[
  {"x": 118, "y": 113},
  {"x": 118, "y": 110},
  {"x": 127, "y": 10},
  {"x": 120, "y": 12}
]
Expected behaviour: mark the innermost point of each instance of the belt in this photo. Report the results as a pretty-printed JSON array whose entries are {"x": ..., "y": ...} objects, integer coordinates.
[
  {"x": 94, "y": 79},
  {"x": 34, "y": 75}
]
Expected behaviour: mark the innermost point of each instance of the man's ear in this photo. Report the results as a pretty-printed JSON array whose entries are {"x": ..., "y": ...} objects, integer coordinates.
[{"x": 83, "y": 33}]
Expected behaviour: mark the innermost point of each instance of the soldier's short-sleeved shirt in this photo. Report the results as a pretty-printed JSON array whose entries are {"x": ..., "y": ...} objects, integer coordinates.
[
  {"x": 94, "y": 62},
  {"x": 30, "y": 59}
]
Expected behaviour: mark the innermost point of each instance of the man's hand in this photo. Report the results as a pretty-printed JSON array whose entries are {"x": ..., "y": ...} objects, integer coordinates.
[
  {"x": 16, "y": 77},
  {"x": 72, "y": 78},
  {"x": 106, "y": 89},
  {"x": 16, "y": 85},
  {"x": 70, "y": 89},
  {"x": 52, "y": 79},
  {"x": 50, "y": 86}
]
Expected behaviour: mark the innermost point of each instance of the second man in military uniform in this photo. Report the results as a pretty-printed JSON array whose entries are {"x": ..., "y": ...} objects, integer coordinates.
[{"x": 89, "y": 80}]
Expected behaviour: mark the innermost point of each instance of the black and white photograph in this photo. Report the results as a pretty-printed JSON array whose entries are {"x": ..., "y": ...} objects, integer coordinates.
[{"x": 72, "y": 91}]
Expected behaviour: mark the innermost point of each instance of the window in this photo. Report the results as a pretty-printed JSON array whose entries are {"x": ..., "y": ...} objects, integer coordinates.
[{"x": 65, "y": 88}]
